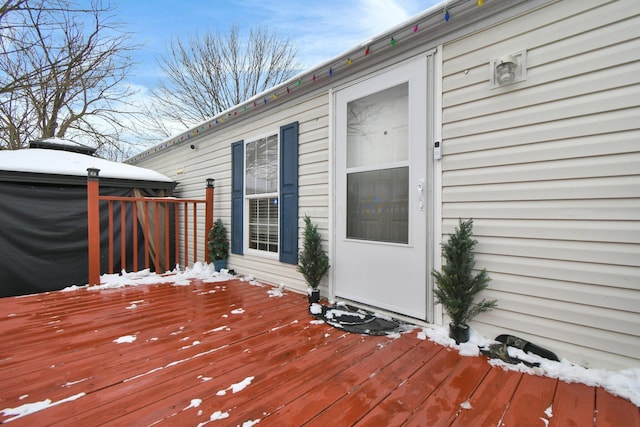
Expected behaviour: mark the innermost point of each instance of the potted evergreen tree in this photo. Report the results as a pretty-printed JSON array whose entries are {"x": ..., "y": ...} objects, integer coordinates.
[
  {"x": 457, "y": 285},
  {"x": 218, "y": 245},
  {"x": 313, "y": 261}
]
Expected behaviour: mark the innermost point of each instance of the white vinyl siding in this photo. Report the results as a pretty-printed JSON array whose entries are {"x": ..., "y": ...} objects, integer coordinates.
[
  {"x": 212, "y": 159},
  {"x": 549, "y": 169}
]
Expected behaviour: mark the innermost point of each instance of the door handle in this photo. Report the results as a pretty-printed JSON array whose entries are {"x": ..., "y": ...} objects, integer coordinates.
[{"x": 421, "y": 195}]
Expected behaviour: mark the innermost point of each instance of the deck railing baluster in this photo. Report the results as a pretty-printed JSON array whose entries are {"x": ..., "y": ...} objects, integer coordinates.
[
  {"x": 135, "y": 235},
  {"x": 176, "y": 217},
  {"x": 110, "y": 207},
  {"x": 167, "y": 254},
  {"x": 146, "y": 234},
  {"x": 195, "y": 232},
  {"x": 186, "y": 234},
  {"x": 123, "y": 235},
  {"x": 156, "y": 258}
]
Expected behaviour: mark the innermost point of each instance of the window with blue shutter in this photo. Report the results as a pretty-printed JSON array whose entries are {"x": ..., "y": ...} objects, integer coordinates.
[
  {"x": 289, "y": 193},
  {"x": 265, "y": 184}
]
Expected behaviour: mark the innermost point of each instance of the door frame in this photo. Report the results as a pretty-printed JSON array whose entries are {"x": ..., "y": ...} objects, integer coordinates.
[{"x": 432, "y": 174}]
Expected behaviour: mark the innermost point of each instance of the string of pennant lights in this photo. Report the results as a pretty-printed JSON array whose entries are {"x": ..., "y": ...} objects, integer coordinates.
[{"x": 330, "y": 72}]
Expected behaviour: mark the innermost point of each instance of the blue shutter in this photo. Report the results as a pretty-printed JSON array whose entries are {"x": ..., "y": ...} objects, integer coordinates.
[
  {"x": 237, "y": 196},
  {"x": 289, "y": 193}
]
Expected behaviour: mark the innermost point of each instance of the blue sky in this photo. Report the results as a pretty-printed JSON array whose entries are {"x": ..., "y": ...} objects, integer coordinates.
[{"x": 320, "y": 29}]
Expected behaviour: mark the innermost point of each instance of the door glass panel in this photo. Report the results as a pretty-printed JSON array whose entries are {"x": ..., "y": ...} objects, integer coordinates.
[
  {"x": 377, "y": 205},
  {"x": 377, "y": 128}
]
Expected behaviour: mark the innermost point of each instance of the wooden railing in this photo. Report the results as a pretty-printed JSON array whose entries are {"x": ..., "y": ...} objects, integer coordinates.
[{"x": 153, "y": 216}]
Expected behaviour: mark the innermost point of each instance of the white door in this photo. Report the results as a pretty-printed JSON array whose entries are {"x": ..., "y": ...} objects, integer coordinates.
[{"x": 380, "y": 211}]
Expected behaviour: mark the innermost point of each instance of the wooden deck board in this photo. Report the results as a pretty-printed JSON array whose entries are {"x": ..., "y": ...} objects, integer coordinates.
[
  {"x": 490, "y": 400},
  {"x": 573, "y": 405},
  {"x": 441, "y": 407},
  {"x": 530, "y": 401},
  {"x": 615, "y": 411},
  {"x": 194, "y": 343}
]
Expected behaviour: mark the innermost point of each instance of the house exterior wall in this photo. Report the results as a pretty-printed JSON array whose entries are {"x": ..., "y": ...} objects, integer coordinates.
[
  {"x": 549, "y": 169},
  {"x": 211, "y": 158}
]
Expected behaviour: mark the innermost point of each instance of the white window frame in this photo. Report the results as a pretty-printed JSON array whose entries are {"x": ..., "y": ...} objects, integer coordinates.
[{"x": 248, "y": 197}]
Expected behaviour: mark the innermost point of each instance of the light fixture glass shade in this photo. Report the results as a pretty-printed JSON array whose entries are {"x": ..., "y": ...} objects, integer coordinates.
[{"x": 506, "y": 71}]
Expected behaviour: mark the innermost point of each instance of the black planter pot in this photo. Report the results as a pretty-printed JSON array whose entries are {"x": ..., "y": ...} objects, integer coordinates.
[
  {"x": 459, "y": 333},
  {"x": 314, "y": 296}
]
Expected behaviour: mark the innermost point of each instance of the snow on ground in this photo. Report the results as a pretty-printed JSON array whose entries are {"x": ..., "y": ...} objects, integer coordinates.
[
  {"x": 624, "y": 383},
  {"x": 177, "y": 277}
]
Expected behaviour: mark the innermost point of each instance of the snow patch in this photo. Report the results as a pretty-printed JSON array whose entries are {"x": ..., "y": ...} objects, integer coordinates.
[
  {"x": 73, "y": 288},
  {"x": 126, "y": 338},
  {"x": 237, "y": 311},
  {"x": 250, "y": 423},
  {"x": 466, "y": 405},
  {"x": 175, "y": 363},
  {"x": 549, "y": 411},
  {"x": 284, "y": 326},
  {"x": 189, "y": 346},
  {"x": 31, "y": 408},
  {"x": 469, "y": 349},
  {"x": 70, "y": 383},
  {"x": 199, "y": 271},
  {"x": 235, "y": 388},
  {"x": 194, "y": 404},
  {"x": 275, "y": 292},
  {"x": 624, "y": 383},
  {"x": 315, "y": 308},
  {"x": 218, "y": 415},
  {"x": 58, "y": 162}
]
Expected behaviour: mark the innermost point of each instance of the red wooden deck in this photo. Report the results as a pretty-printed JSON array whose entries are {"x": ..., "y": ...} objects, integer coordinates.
[{"x": 229, "y": 354}]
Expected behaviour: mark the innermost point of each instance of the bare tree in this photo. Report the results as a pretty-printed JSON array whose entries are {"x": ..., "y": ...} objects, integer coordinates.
[
  {"x": 209, "y": 74},
  {"x": 62, "y": 74}
]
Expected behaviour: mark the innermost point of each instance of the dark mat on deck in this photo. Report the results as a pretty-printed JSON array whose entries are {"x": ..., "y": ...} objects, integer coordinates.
[{"x": 355, "y": 319}]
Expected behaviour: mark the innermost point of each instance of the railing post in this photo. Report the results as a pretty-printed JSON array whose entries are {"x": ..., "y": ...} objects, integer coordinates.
[
  {"x": 93, "y": 224},
  {"x": 208, "y": 216}
]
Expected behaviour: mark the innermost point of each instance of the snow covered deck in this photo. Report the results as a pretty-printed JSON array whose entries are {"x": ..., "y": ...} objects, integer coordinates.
[{"x": 236, "y": 353}]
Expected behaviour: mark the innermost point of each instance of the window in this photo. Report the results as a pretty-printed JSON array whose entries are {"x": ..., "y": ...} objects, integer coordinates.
[
  {"x": 261, "y": 193},
  {"x": 266, "y": 189}
]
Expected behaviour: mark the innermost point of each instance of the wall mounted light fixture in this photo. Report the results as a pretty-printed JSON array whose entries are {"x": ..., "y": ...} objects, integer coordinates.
[{"x": 508, "y": 69}]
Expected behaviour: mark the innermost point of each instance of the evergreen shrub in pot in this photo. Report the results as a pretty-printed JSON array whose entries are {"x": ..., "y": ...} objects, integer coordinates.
[
  {"x": 218, "y": 245},
  {"x": 457, "y": 285},
  {"x": 313, "y": 261}
]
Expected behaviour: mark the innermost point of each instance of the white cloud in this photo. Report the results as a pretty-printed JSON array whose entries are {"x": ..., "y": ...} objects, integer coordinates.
[{"x": 324, "y": 30}]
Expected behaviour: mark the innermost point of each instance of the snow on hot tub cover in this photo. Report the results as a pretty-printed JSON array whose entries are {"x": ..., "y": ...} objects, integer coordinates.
[{"x": 58, "y": 162}]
